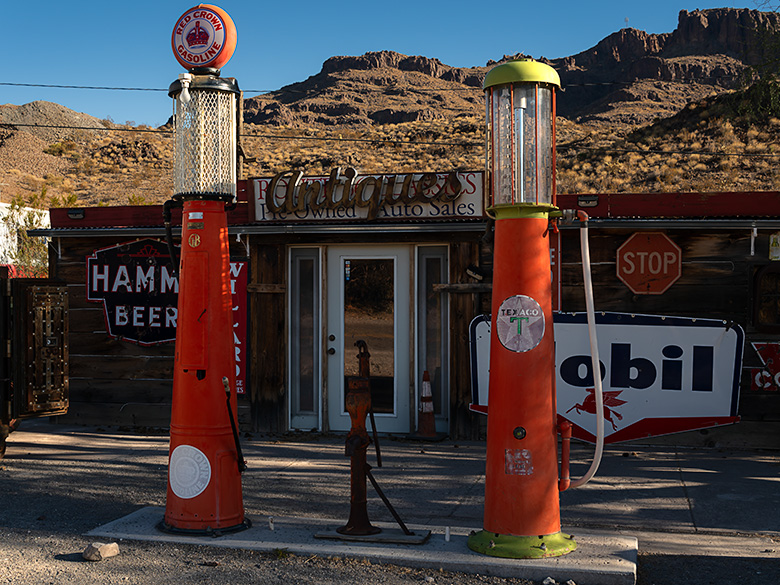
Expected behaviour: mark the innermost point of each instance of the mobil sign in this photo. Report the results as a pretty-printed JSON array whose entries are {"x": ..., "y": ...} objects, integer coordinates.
[{"x": 659, "y": 375}]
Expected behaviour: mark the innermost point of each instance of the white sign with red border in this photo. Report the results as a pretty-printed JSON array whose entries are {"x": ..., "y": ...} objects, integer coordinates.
[{"x": 660, "y": 375}]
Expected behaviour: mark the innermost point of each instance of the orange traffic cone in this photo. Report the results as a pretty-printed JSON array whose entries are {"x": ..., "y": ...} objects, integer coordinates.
[{"x": 426, "y": 424}]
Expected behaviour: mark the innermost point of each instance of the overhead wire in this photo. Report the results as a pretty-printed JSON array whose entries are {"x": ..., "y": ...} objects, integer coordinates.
[
  {"x": 561, "y": 148},
  {"x": 384, "y": 88},
  {"x": 394, "y": 142}
]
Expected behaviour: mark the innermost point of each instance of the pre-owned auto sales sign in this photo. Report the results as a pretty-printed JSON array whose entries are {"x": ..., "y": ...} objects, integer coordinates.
[{"x": 660, "y": 375}]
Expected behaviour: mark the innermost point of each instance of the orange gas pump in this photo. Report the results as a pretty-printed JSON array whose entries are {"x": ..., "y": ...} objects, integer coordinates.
[
  {"x": 205, "y": 462},
  {"x": 522, "y": 510}
]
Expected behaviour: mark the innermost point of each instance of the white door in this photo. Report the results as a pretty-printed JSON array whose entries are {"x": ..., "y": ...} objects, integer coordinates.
[{"x": 368, "y": 290}]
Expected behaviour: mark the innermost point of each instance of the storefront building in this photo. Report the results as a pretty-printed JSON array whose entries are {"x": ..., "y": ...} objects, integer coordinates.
[
  {"x": 391, "y": 267},
  {"x": 403, "y": 263}
]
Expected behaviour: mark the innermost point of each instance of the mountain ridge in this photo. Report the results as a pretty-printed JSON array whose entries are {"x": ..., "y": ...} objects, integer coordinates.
[{"x": 388, "y": 112}]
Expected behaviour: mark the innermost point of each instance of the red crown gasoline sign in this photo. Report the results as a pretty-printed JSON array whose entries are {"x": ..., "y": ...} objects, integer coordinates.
[
  {"x": 649, "y": 263},
  {"x": 204, "y": 36}
]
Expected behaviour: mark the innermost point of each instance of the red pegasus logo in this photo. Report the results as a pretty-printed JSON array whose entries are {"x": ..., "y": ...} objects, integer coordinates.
[{"x": 610, "y": 399}]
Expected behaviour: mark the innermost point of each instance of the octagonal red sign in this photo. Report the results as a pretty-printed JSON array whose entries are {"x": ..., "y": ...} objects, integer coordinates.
[{"x": 649, "y": 263}]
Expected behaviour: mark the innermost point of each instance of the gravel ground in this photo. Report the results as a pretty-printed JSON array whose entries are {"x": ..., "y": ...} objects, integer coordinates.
[
  {"x": 40, "y": 557},
  {"x": 52, "y": 496},
  {"x": 52, "y": 493}
]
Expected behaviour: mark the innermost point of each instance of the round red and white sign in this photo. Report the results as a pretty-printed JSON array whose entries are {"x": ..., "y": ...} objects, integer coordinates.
[
  {"x": 204, "y": 36},
  {"x": 520, "y": 323}
]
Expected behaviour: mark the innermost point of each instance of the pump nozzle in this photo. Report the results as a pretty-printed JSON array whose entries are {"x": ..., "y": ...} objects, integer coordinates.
[{"x": 185, "y": 79}]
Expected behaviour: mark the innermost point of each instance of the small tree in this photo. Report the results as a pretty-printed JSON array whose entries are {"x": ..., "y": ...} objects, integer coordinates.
[{"x": 29, "y": 254}]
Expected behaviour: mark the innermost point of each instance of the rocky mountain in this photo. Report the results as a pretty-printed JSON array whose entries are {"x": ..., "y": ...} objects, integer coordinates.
[
  {"x": 639, "y": 112},
  {"x": 629, "y": 77}
]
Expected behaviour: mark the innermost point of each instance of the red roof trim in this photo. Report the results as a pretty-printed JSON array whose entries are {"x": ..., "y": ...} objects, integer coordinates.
[
  {"x": 753, "y": 204},
  {"x": 750, "y": 204}
]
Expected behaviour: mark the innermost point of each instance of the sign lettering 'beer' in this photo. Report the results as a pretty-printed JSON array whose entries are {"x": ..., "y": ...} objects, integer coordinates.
[{"x": 139, "y": 292}]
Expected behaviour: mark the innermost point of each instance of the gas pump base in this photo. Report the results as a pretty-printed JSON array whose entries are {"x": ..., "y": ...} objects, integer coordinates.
[
  {"x": 508, "y": 546},
  {"x": 162, "y": 526},
  {"x": 386, "y": 536}
]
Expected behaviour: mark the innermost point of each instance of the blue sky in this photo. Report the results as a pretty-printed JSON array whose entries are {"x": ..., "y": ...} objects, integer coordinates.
[{"x": 127, "y": 44}]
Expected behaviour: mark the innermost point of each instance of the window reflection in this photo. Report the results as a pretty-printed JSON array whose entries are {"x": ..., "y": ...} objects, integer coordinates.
[{"x": 369, "y": 307}]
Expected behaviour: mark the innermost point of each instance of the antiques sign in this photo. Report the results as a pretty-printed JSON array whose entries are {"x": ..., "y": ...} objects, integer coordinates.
[
  {"x": 139, "y": 292},
  {"x": 344, "y": 195}
]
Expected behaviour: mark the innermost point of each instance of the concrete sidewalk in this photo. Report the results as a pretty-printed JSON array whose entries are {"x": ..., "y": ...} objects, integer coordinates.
[{"x": 692, "y": 502}]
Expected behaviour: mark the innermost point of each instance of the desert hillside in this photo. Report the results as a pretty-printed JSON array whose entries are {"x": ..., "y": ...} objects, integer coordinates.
[{"x": 694, "y": 109}]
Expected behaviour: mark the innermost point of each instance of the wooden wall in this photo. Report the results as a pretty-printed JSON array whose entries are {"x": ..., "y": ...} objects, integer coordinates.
[
  {"x": 112, "y": 382},
  {"x": 268, "y": 318},
  {"x": 718, "y": 271}
]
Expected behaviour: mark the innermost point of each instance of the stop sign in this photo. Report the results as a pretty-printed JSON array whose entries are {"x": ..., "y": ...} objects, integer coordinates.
[{"x": 649, "y": 263}]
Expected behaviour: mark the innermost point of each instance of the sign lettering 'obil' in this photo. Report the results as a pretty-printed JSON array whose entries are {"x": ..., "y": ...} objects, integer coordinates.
[{"x": 660, "y": 375}]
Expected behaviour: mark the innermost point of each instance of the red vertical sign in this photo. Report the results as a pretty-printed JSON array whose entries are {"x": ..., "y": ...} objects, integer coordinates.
[{"x": 238, "y": 282}]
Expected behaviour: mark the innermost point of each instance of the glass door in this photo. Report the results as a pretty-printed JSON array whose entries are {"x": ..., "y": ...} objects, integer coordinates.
[
  {"x": 433, "y": 330},
  {"x": 305, "y": 333},
  {"x": 368, "y": 300}
]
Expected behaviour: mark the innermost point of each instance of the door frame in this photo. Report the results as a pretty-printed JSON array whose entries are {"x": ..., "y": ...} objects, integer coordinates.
[{"x": 319, "y": 376}]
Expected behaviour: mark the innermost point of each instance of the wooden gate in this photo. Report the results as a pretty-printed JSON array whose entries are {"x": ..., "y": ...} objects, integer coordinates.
[{"x": 33, "y": 351}]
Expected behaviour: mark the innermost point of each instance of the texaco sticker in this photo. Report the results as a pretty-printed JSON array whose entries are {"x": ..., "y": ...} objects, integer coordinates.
[
  {"x": 189, "y": 472},
  {"x": 520, "y": 323}
]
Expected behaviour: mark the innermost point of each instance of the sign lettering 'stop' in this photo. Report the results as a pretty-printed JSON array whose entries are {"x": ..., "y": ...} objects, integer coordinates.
[
  {"x": 204, "y": 36},
  {"x": 649, "y": 263}
]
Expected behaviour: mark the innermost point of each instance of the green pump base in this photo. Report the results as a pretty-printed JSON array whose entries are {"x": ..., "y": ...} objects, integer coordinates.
[{"x": 508, "y": 546}]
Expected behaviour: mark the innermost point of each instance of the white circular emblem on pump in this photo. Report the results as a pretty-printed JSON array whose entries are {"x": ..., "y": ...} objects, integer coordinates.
[
  {"x": 189, "y": 472},
  {"x": 520, "y": 323}
]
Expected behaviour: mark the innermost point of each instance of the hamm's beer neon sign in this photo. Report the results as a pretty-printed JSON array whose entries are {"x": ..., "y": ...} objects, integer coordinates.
[{"x": 345, "y": 195}]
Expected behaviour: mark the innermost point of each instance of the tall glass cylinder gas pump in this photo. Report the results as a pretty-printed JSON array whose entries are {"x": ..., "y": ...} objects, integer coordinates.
[
  {"x": 522, "y": 510},
  {"x": 205, "y": 460}
]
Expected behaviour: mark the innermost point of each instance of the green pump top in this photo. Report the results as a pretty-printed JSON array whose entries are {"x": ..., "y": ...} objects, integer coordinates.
[{"x": 521, "y": 71}]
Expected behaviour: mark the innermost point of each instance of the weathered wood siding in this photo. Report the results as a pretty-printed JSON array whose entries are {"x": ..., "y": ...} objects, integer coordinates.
[
  {"x": 717, "y": 278},
  {"x": 112, "y": 381},
  {"x": 267, "y": 292}
]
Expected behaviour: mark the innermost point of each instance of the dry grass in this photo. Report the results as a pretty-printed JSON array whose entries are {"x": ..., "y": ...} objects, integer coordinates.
[{"x": 701, "y": 151}]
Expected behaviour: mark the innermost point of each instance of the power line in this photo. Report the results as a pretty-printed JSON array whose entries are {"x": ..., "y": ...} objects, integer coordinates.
[
  {"x": 409, "y": 88},
  {"x": 49, "y": 85},
  {"x": 96, "y": 128},
  {"x": 561, "y": 148}
]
